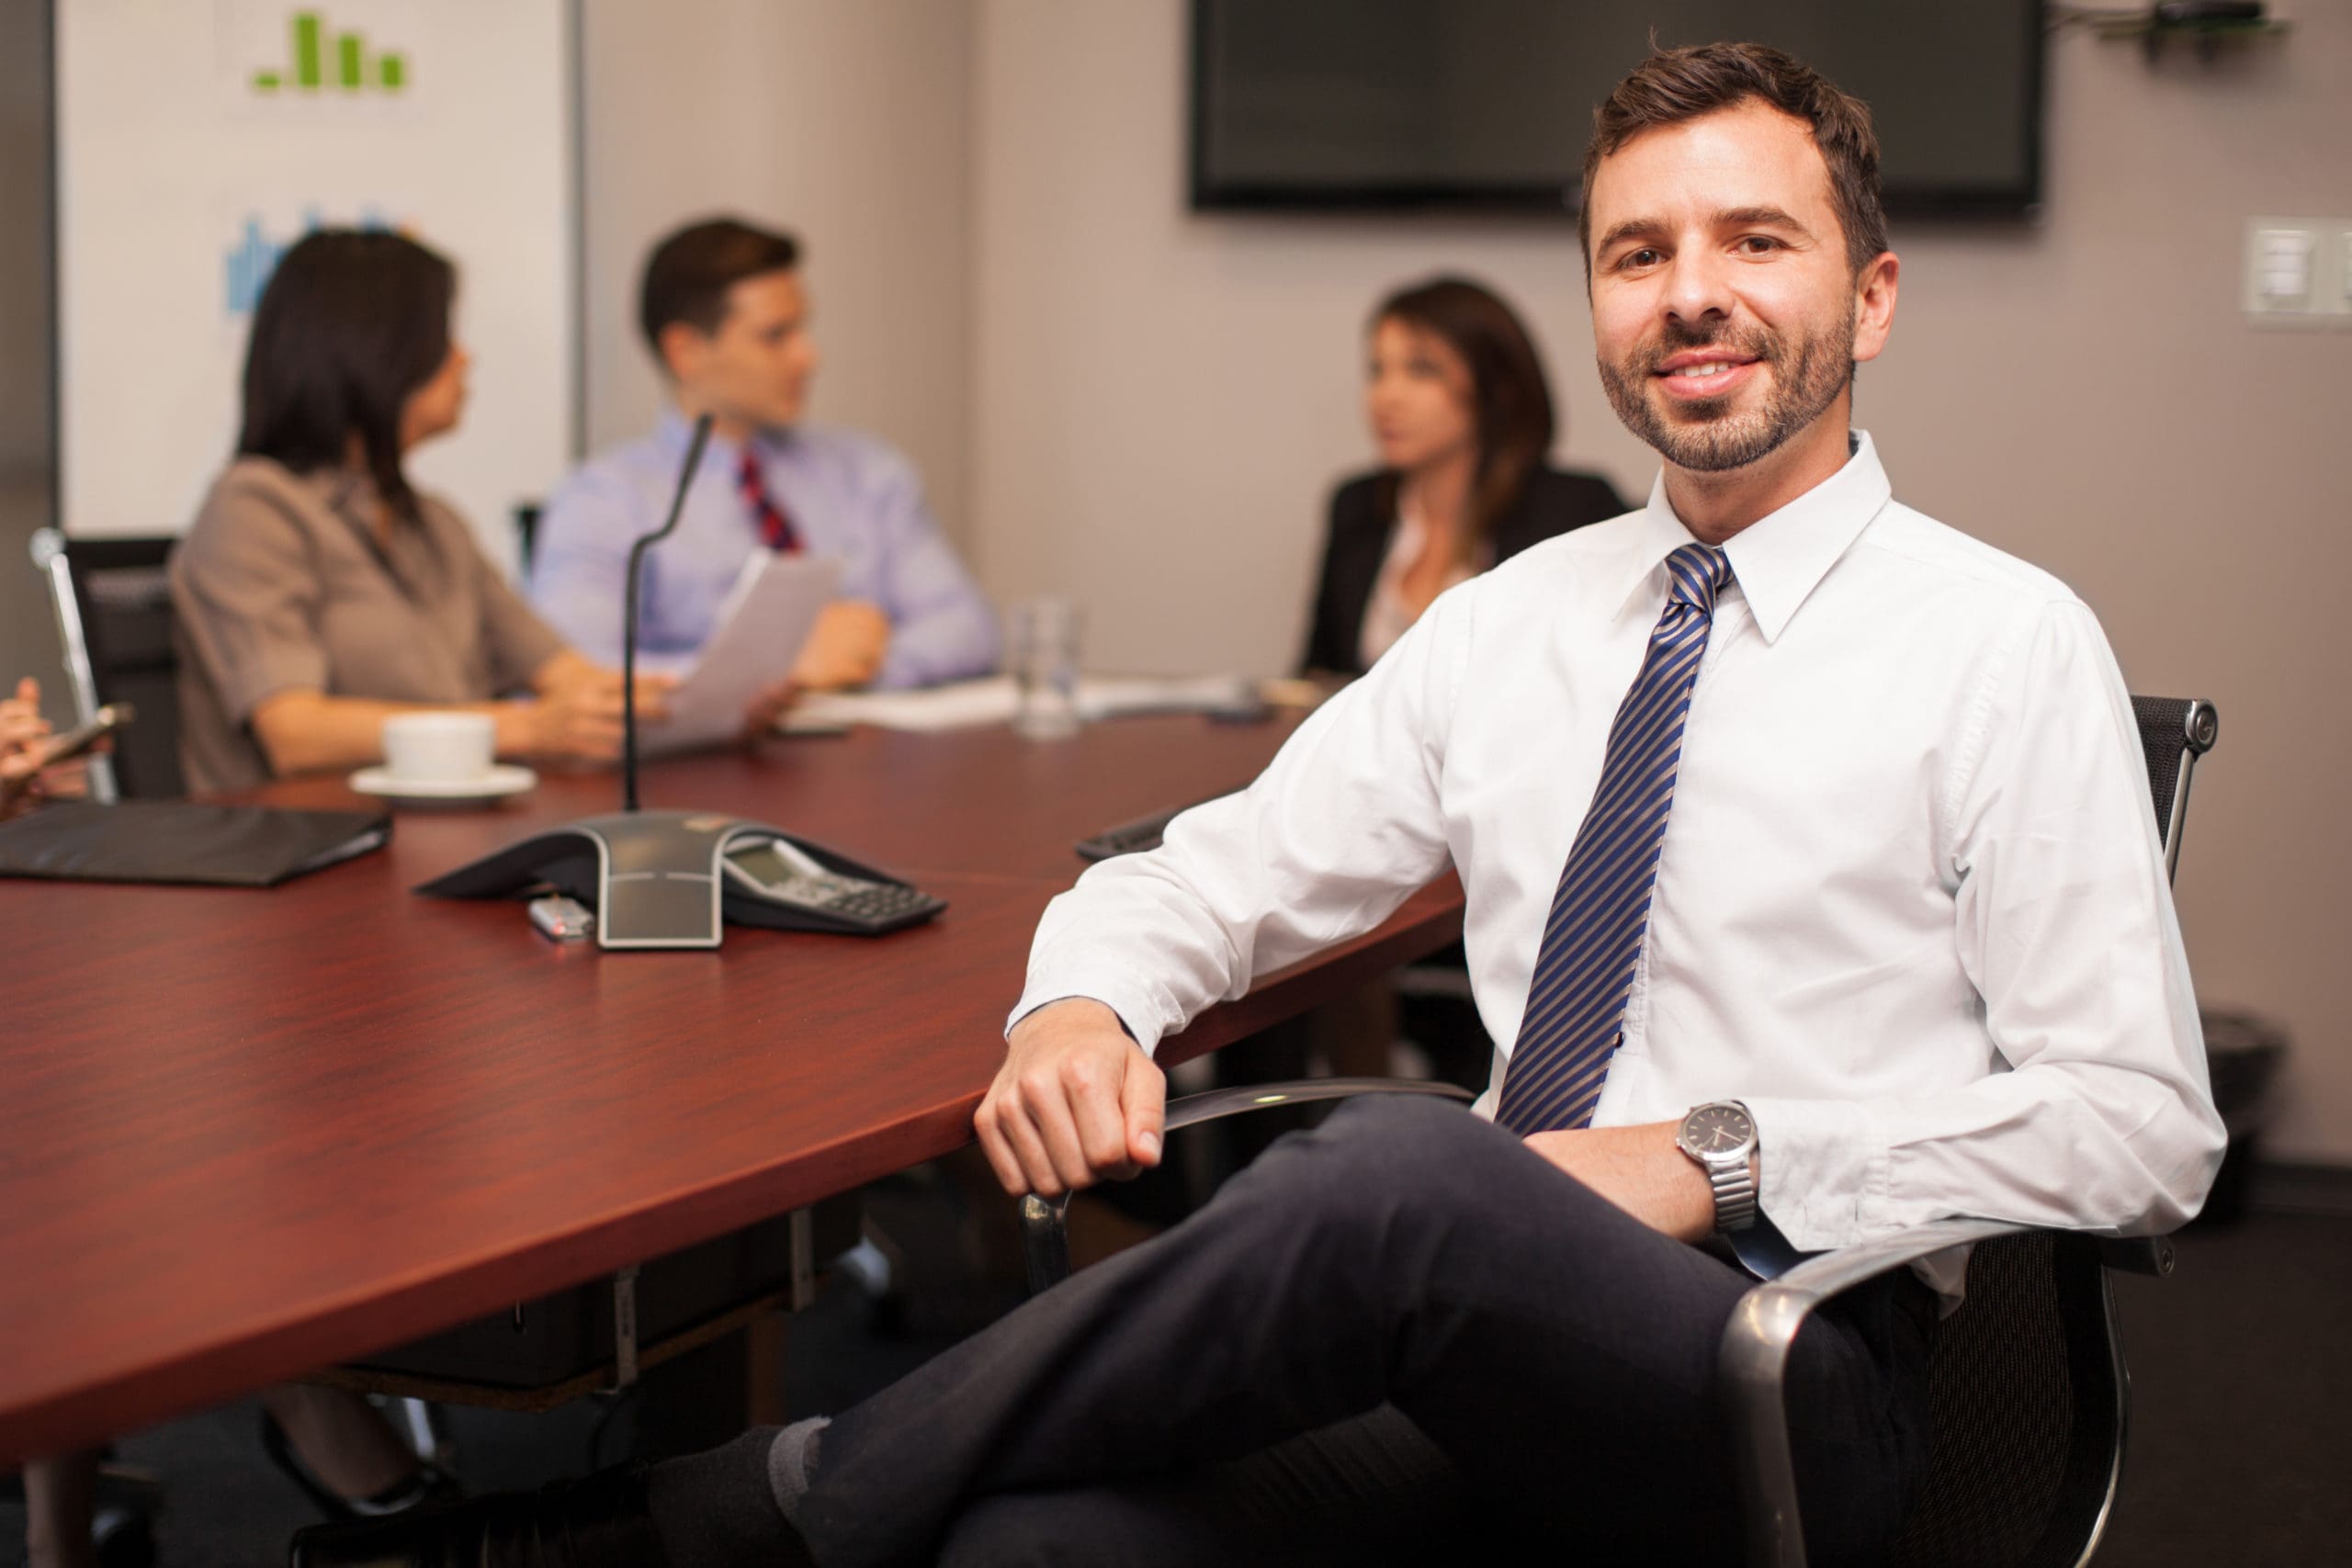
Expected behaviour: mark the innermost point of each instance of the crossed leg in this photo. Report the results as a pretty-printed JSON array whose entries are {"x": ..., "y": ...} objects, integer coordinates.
[{"x": 1469, "y": 1333}]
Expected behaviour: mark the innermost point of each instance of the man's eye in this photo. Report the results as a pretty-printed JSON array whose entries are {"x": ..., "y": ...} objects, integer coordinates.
[
  {"x": 1758, "y": 244},
  {"x": 1646, "y": 257}
]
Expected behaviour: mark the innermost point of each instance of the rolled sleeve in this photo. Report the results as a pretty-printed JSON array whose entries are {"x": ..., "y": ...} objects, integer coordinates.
[
  {"x": 1822, "y": 1170},
  {"x": 247, "y": 597}
]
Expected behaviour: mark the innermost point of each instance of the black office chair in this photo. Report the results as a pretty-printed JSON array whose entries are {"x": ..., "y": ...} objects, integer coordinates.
[
  {"x": 527, "y": 536},
  {"x": 2026, "y": 1380},
  {"x": 114, "y": 626}
]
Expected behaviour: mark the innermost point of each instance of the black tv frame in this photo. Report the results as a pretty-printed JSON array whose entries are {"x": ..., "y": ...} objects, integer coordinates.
[{"x": 1543, "y": 198}]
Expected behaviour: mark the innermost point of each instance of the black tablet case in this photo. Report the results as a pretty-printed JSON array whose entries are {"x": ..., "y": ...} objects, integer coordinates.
[{"x": 180, "y": 841}]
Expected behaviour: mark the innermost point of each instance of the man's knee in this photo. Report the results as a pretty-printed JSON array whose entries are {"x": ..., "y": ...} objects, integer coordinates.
[
  {"x": 1385, "y": 1139},
  {"x": 1379, "y": 1159}
]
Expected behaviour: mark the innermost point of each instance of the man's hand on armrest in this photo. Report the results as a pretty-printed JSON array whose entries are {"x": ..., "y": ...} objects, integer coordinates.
[{"x": 1075, "y": 1102}]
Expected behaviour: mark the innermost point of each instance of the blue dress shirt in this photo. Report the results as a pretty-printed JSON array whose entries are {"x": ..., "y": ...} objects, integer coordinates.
[{"x": 851, "y": 497}]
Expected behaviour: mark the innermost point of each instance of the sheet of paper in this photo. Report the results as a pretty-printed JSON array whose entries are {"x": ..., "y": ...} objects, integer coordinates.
[
  {"x": 1114, "y": 697},
  {"x": 965, "y": 705},
  {"x": 961, "y": 705},
  {"x": 767, "y": 616}
]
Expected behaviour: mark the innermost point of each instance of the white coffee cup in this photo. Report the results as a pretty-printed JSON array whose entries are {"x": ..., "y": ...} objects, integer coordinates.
[{"x": 438, "y": 747}]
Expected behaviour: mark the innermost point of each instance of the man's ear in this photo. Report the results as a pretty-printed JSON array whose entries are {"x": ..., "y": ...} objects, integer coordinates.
[
  {"x": 1875, "y": 293},
  {"x": 683, "y": 349}
]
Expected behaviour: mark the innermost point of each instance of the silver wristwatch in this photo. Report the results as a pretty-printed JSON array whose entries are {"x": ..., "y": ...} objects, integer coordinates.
[{"x": 1721, "y": 1136}]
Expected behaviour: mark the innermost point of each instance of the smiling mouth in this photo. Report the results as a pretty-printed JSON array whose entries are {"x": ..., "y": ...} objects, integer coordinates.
[{"x": 1702, "y": 372}]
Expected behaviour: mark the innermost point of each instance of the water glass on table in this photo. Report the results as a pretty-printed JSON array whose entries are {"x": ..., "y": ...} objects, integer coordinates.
[{"x": 1044, "y": 668}]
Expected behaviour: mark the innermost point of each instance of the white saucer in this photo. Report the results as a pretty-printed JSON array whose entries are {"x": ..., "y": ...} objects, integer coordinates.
[{"x": 502, "y": 779}]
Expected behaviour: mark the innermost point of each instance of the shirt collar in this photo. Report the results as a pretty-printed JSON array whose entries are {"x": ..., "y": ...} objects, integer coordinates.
[
  {"x": 1780, "y": 558},
  {"x": 675, "y": 430}
]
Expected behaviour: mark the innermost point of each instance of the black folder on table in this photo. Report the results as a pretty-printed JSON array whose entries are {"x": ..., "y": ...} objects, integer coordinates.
[{"x": 181, "y": 841}]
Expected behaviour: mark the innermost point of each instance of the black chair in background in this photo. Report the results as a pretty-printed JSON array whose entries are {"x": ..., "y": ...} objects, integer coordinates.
[
  {"x": 527, "y": 536},
  {"x": 2027, "y": 1379},
  {"x": 114, "y": 626}
]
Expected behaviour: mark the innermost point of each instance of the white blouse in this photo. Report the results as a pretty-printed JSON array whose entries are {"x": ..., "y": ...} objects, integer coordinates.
[{"x": 1386, "y": 616}]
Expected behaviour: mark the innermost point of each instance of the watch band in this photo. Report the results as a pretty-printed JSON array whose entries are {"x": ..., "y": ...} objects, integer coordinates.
[{"x": 1734, "y": 1188}]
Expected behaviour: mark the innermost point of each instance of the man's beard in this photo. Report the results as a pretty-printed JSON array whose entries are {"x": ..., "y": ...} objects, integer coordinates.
[{"x": 1803, "y": 388}]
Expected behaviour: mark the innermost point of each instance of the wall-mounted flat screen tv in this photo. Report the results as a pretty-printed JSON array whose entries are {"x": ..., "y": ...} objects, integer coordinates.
[{"x": 1373, "y": 105}]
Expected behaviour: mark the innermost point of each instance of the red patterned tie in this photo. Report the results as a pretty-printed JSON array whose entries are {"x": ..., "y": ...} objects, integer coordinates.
[{"x": 775, "y": 525}]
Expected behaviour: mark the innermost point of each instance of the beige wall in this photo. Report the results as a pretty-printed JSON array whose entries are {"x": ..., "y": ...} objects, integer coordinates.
[
  {"x": 847, "y": 124},
  {"x": 1160, "y": 400}
]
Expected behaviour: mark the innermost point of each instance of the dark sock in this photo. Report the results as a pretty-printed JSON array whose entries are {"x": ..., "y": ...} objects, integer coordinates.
[{"x": 717, "y": 1509}]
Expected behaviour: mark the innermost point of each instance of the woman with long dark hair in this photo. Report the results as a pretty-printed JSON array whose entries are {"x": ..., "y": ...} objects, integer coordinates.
[
  {"x": 1456, "y": 400},
  {"x": 318, "y": 591}
]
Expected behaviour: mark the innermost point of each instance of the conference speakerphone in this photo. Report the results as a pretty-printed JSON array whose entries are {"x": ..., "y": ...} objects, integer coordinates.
[
  {"x": 669, "y": 879},
  {"x": 657, "y": 879}
]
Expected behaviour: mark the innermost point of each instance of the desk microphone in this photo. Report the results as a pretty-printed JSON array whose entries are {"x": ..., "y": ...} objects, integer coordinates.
[
  {"x": 645, "y": 542},
  {"x": 667, "y": 878}
]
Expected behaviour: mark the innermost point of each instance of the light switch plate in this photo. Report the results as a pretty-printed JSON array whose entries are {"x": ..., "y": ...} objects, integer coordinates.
[{"x": 2297, "y": 272}]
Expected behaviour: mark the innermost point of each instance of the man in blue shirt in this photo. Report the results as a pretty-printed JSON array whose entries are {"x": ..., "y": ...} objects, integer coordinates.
[{"x": 726, "y": 314}]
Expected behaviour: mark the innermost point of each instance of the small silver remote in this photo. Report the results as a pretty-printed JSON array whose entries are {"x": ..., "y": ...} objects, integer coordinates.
[{"x": 563, "y": 919}]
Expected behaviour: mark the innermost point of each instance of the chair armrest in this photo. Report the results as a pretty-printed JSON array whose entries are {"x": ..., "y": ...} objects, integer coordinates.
[
  {"x": 2150, "y": 1254},
  {"x": 1044, "y": 1227},
  {"x": 1754, "y": 1361}
]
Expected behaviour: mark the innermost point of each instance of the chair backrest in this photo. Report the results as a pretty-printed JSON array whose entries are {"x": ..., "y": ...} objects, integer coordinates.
[
  {"x": 2027, "y": 1379},
  {"x": 116, "y": 629},
  {"x": 527, "y": 536}
]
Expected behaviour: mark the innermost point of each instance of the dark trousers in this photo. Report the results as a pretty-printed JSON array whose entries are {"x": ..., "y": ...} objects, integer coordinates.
[{"x": 1389, "y": 1334}]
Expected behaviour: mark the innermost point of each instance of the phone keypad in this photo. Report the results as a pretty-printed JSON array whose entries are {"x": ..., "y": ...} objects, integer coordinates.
[{"x": 877, "y": 900}]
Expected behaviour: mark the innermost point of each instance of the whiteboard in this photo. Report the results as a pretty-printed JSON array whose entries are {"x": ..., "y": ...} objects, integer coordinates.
[{"x": 196, "y": 139}]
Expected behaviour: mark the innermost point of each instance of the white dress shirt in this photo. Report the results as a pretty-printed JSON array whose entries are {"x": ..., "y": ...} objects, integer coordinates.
[{"x": 1910, "y": 906}]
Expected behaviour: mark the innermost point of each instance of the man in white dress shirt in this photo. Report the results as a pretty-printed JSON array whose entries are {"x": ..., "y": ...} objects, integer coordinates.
[{"x": 1791, "y": 825}]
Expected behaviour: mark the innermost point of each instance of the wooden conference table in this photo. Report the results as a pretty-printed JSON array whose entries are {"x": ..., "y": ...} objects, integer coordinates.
[{"x": 244, "y": 1135}]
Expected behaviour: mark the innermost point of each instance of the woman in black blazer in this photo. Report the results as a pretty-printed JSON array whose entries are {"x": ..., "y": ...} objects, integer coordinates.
[{"x": 1458, "y": 406}]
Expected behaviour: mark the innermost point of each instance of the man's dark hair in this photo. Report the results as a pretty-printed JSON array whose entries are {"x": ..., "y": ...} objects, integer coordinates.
[
  {"x": 1510, "y": 400},
  {"x": 1678, "y": 85},
  {"x": 351, "y": 324},
  {"x": 688, "y": 275}
]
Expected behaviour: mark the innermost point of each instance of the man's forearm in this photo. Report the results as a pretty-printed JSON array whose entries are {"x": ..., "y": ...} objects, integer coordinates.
[{"x": 1641, "y": 1170}]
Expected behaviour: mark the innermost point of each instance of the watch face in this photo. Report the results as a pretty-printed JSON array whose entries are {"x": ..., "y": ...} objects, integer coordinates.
[{"x": 1717, "y": 1130}]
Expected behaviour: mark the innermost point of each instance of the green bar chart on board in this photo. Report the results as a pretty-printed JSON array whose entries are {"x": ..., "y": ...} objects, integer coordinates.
[{"x": 319, "y": 60}]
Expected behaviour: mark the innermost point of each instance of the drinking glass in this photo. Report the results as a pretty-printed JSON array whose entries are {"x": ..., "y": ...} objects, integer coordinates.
[{"x": 1044, "y": 668}]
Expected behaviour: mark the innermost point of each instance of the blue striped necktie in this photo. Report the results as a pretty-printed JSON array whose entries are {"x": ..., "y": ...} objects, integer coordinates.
[{"x": 1575, "y": 1004}]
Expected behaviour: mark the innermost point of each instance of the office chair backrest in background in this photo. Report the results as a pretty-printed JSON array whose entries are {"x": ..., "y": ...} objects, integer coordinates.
[
  {"x": 114, "y": 626},
  {"x": 2026, "y": 1379},
  {"x": 526, "y": 537}
]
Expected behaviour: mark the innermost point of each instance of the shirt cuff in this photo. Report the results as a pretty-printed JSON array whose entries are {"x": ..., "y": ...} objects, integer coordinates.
[
  {"x": 1823, "y": 1165},
  {"x": 1137, "y": 1013}
]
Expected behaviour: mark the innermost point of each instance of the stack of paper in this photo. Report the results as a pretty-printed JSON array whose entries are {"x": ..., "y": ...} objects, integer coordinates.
[{"x": 994, "y": 699}]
